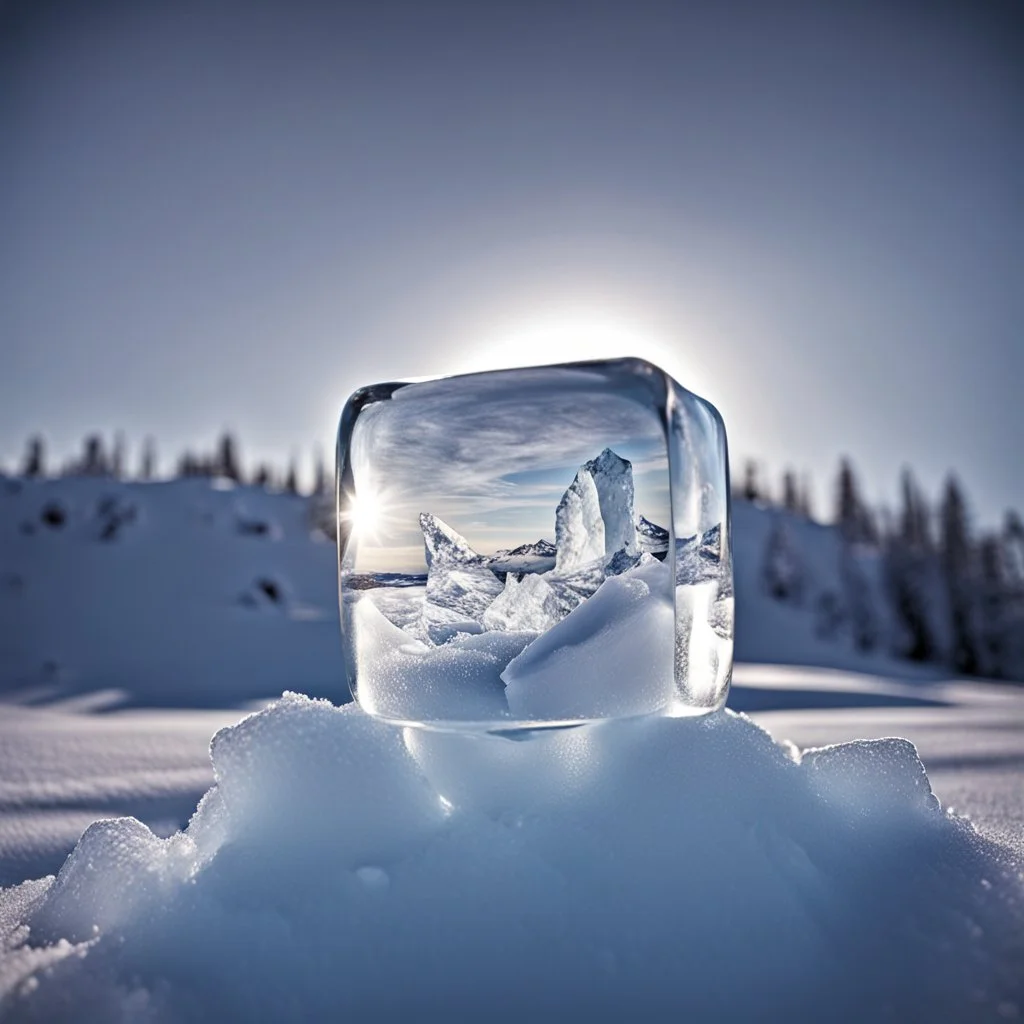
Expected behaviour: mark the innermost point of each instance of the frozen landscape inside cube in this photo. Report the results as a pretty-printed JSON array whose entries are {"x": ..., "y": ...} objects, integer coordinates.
[{"x": 481, "y": 518}]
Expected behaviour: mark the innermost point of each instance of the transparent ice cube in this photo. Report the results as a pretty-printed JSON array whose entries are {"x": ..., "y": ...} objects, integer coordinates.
[{"x": 534, "y": 547}]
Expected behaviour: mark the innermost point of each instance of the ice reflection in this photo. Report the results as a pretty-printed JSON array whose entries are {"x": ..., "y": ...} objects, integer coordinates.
[{"x": 521, "y": 570}]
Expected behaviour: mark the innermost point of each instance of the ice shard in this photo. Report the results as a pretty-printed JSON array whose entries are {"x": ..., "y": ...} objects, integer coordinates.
[
  {"x": 619, "y": 615},
  {"x": 594, "y": 519}
]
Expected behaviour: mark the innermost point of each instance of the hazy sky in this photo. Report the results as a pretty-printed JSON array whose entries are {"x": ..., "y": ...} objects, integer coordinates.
[
  {"x": 492, "y": 455},
  {"x": 233, "y": 214}
]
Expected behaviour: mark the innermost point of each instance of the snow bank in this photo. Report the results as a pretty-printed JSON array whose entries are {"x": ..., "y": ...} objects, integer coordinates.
[
  {"x": 182, "y": 593},
  {"x": 647, "y": 868}
]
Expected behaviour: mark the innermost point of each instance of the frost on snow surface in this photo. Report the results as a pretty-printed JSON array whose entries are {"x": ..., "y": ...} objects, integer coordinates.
[{"x": 651, "y": 868}]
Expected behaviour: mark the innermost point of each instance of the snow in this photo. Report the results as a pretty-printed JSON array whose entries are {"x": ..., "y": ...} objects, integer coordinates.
[
  {"x": 648, "y": 868},
  {"x": 207, "y": 594},
  {"x": 595, "y": 518},
  {"x": 610, "y": 657}
]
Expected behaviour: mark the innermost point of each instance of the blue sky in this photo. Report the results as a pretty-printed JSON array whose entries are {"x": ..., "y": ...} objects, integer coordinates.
[
  {"x": 232, "y": 215},
  {"x": 492, "y": 455}
]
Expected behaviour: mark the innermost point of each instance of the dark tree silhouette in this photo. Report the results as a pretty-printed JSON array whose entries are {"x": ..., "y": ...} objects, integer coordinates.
[
  {"x": 117, "y": 456},
  {"x": 319, "y": 475},
  {"x": 34, "y": 463},
  {"x": 751, "y": 488},
  {"x": 790, "y": 494},
  {"x": 956, "y": 555},
  {"x": 94, "y": 458},
  {"x": 291, "y": 482},
  {"x": 148, "y": 468},
  {"x": 227, "y": 463},
  {"x": 853, "y": 517}
]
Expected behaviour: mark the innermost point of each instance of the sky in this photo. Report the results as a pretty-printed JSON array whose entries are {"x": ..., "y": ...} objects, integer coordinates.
[
  {"x": 230, "y": 215},
  {"x": 491, "y": 455}
]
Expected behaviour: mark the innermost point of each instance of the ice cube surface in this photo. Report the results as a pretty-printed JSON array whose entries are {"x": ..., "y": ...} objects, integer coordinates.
[{"x": 533, "y": 547}]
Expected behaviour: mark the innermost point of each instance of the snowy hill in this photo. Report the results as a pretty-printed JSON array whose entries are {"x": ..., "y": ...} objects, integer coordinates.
[
  {"x": 200, "y": 593},
  {"x": 181, "y": 593}
]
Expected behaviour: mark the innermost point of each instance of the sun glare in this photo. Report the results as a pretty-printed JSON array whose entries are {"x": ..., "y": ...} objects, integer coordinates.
[
  {"x": 567, "y": 336},
  {"x": 364, "y": 513}
]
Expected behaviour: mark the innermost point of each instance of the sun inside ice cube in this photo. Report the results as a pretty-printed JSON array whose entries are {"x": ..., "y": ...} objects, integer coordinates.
[{"x": 534, "y": 547}]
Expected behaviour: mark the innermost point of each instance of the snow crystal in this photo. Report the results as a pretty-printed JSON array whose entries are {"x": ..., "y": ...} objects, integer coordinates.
[{"x": 647, "y": 868}]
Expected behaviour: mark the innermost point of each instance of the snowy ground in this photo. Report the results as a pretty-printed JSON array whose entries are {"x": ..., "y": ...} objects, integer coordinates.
[
  {"x": 66, "y": 763},
  {"x": 654, "y": 868}
]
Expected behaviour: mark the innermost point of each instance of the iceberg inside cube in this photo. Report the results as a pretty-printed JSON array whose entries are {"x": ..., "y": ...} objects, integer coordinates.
[{"x": 534, "y": 547}]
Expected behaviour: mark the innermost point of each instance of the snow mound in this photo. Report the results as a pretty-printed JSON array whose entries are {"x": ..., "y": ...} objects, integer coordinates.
[{"x": 651, "y": 868}]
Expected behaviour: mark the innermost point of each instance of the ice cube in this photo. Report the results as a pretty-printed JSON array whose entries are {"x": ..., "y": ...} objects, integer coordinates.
[{"x": 462, "y": 474}]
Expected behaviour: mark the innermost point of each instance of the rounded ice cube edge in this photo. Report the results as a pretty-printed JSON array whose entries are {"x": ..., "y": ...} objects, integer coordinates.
[{"x": 664, "y": 644}]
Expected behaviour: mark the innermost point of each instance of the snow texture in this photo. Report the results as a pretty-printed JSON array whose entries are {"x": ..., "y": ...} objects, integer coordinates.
[
  {"x": 595, "y": 518},
  {"x": 652, "y": 868},
  {"x": 610, "y": 657}
]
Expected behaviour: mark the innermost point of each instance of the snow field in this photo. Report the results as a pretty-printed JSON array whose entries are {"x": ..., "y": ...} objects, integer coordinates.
[{"x": 649, "y": 868}]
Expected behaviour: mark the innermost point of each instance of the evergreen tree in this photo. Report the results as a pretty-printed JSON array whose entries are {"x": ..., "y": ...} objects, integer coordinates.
[
  {"x": 227, "y": 464},
  {"x": 847, "y": 501},
  {"x": 790, "y": 496},
  {"x": 854, "y": 519},
  {"x": 806, "y": 505},
  {"x": 909, "y": 573},
  {"x": 782, "y": 570},
  {"x": 94, "y": 458},
  {"x": 751, "y": 489},
  {"x": 858, "y": 600},
  {"x": 34, "y": 463},
  {"x": 291, "y": 483},
  {"x": 148, "y": 467},
  {"x": 118, "y": 456},
  {"x": 957, "y": 567},
  {"x": 264, "y": 476},
  {"x": 319, "y": 474}
]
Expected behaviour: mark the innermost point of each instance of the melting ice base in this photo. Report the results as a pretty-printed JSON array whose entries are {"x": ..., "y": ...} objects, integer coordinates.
[{"x": 651, "y": 868}]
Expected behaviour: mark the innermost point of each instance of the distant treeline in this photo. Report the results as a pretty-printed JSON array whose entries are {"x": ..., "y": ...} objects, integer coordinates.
[
  {"x": 101, "y": 458},
  {"x": 957, "y": 594}
]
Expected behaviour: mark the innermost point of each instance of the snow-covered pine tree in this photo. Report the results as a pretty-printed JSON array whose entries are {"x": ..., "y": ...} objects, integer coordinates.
[
  {"x": 863, "y": 619},
  {"x": 782, "y": 569}
]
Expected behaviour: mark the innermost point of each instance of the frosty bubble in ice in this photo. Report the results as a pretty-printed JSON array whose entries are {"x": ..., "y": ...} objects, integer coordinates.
[{"x": 535, "y": 547}]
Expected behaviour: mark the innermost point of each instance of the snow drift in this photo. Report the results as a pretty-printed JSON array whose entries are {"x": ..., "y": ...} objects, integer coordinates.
[{"x": 649, "y": 868}]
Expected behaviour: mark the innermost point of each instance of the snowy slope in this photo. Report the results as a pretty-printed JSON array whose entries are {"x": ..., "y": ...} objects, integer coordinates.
[
  {"x": 182, "y": 593},
  {"x": 193, "y": 593},
  {"x": 651, "y": 868},
  {"x": 810, "y": 625}
]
